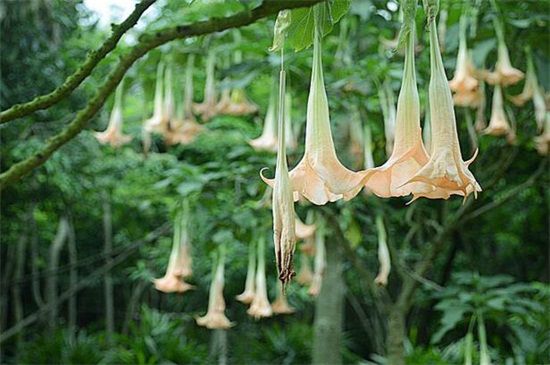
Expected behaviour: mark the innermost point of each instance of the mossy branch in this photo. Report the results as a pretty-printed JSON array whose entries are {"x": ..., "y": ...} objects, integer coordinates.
[
  {"x": 75, "y": 79},
  {"x": 146, "y": 43}
]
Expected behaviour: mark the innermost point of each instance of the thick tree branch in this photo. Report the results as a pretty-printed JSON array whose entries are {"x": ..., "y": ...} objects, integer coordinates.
[
  {"x": 146, "y": 43},
  {"x": 74, "y": 80}
]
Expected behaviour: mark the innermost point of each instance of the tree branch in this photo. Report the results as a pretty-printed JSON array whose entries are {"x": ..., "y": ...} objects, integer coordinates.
[
  {"x": 146, "y": 43},
  {"x": 75, "y": 79}
]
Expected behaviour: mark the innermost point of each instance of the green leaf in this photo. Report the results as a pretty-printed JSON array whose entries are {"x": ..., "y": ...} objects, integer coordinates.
[{"x": 300, "y": 31}]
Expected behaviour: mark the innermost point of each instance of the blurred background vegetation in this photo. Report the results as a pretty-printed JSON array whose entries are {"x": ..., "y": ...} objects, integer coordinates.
[{"x": 486, "y": 258}]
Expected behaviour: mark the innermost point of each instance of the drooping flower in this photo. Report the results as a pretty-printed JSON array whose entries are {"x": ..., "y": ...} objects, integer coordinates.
[
  {"x": 387, "y": 103},
  {"x": 207, "y": 109},
  {"x": 408, "y": 154},
  {"x": 498, "y": 124},
  {"x": 180, "y": 262},
  {"x": 260, "y": 307},
  {"x": 319, "y": 176},
  {"x": 504, "y": 74},
  {"x": 446, "y": 171},
  {"x": 268, "y": 140},
  {"x": 383, "y": 254},
  {"x": 183, "y": 127},
  {"x": 531, "y": 84},
  {"x": 113, "y": 134},
  {"x": 284, "y": 225},
  {"x": 247, "y": 295},
  {"x": 542, "y": 142},
  {"x": 303, "y": 230},
  {"x": 280, "y": 305},
  {"x": 305, "y": 275},
  {"x": 464, "y": 83},
  {"x": 319, "y": 265},
  {"x": 157, "y": 123},
  {"x": 215, "y": 316},
  {"x": 236, "y": 103}
]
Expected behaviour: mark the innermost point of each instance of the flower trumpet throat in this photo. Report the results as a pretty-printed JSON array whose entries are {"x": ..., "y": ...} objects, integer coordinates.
[
  {"x": 445, "y": 171},
  {"x": 504, "y": 74},
  {"x": 249, "y": 292},
  {"x": 113, "y": 134},
  {"x": 498, "y": 124},
  {"x": 260, "y": 307}
]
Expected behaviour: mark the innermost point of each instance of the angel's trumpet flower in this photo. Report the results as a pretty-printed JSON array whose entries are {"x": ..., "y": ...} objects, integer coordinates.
[
  {"x": 319, "y": 176},
  {"x": 207, "y": 109},
  {"x": 531, "y": 84},
  {"x": 445, "y": 170},
  {"x": 113, "y": 134},
  {"x": 268, "y": 140},
  {"x": 168, "y": 104},
  {"x": 183, "y": 127},
  {"x": 303, "y": 230},
  {"x": 305, "y": 275},
  {"x": 383, "y": 254},
  {"x": 284, "y": 226},
  {"x": 319, "y": 265},
  {"x": 158, "y": 122},
  {"x": 464, "y": 84},
  {"x": 542, "y": 142},
  {"x": 280, "y": 305},
  {"x": 236, "y": 103},
  {"x": 260, "y": 306},
  {"x": 408, "y": 155},
  {"x": 179, "y": 264},
  {"x": 498, "y": 124},
  {"x": 215, "y": 316},
  {"x": 541, "y": 113},
  {"x": 247, "y": 295},
  {"x": 504, "y": 74}
]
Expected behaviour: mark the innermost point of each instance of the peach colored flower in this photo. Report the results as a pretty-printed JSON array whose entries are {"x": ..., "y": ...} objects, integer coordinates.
[
  {"x": 504, "y": 74},
  {"x": 531, "y": 84},
  {"x": 280, "y": 305},
  {"x": 215, "y": 316},
  {"x": 319, "y": 176},
  {"x": 445, "y": 171},
  {"x": 207, "y": 109},
  {"x": 158, "y": 122},
  {"x": 498, "y": 124},
  {"x": 304, "y": 231},
  {"x": 408, "y": 154},
  {"x": 305, "y": 275},
  {"x": 268, "y": 140},
  {"x": 260, "y": 306},
  {"x": 542, "y": 142},
  {"x": 113, "y": 134},
  {"x": 383, "y": 254},
  {"x": 236, "y": 103},
  {"x": 247, "y": 295},
  {"x": 387, "y": 103}
]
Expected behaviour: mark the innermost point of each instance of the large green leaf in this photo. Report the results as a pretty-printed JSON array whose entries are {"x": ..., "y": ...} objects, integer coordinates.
[{"x": 300, "y": 31}]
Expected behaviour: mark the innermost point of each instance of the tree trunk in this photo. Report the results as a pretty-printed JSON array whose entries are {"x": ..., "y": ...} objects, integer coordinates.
[
  {"x": 396, "y": 336},
  {"x": 7, "y": 265},
  {"x": 329, "y": 314},
  {"x": 17, "y": 302},
  {"x": 218, "y": 347},
  {"x": 108, "y": 280},
  {"x": 51, "y": 285},
  {"x": 73, "y": 280}
]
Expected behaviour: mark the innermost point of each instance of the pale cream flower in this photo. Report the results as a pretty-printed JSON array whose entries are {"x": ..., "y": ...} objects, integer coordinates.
[
  {"x": 319, "y": 176},
  {"x": 542, "y": 142},
  {"x": 408, "y": 154},
  {"x": 305, "y": 275},
  {"x": 304, "y": 231},
  {"x": 445, "y": 170},
  {"x": 268, "y": 140},
  {"x": 113, "y": 134},
  {"x": 387, "y": 103},
  {"x": 531, "y": 84},
  {"x": 498, "y": 124},
  {"x": 215, "y": 316},
  {"x": 207, "y": 109},
  {"x": 247, "y": 295},
  {"x": 158, "y": 122},
  {"x": 383, "y": 254},
  {"x": 260, "y": 306},
  {"x": 319, "y": 265},
  {"x": 236, "y": 103},
  {"x": 504, "y": 74},
  {"x": 280, "y": 305}
]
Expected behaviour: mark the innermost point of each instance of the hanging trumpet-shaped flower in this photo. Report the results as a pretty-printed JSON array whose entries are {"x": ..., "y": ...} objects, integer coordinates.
[
  {"x": 236, "y": 103},
  {"x": 504, "y": 74},
  {"x": 280, "y": 305},
  {"x": 168, "y": 102},
  {"x": 464, "y": 84},
  {"x": 498, "y": 124},
  {"x": 247, "y": 295},
  {"x": 158, "y": 122},
  {"x": 387, "y": 103},
  {"x": 260, "y": 306},
  {"x": 179, "y": 264},
  {"x": 207, "y": 109},
  {"x": 268, "y": 140},
  {"x": 445, "y": 170},
  {"x": 531, "y": 84},
  {"x": 305, "y": 275},
  {"x": 319, "y": 176},
  {"x": 215, "y": 317},
  {"x": 383, "y": 254},
  {"x": 319, "y": 264},
  {"x": 408, "y": 155},
  {"x": 542, "y": 142},
  {"x": 183, "y": 127},
  {"x": 113, "y": 134},
  {"x": 304, "y": 231}
]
